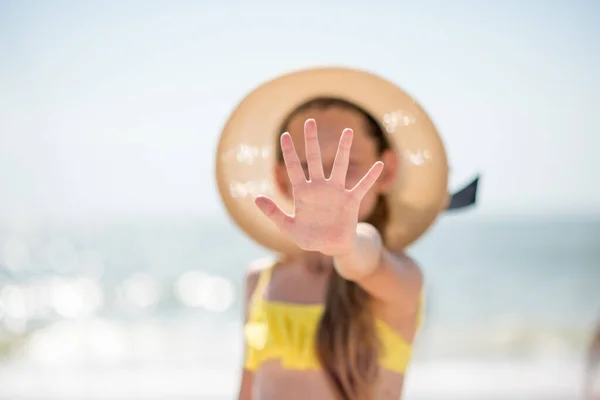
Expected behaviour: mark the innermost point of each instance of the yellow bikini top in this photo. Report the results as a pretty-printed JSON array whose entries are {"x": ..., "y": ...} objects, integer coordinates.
[{"x": 286, "y": 331}]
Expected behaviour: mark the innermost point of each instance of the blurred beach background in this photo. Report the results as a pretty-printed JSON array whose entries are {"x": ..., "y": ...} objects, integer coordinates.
[{"x": 120, "y": 273}]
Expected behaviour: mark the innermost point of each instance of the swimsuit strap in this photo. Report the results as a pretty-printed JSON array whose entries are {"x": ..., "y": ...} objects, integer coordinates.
[{"x": 263, "y": 281}]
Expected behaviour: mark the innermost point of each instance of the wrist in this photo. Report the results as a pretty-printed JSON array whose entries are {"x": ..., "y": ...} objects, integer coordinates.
[{"x": 364, "y": 256}]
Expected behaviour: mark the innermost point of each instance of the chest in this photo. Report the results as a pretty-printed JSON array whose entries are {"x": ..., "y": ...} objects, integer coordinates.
[{"x": 297, "y": 287}]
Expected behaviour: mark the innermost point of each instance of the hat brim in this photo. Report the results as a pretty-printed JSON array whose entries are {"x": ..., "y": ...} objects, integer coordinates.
[{"x": 246, "y": 156}]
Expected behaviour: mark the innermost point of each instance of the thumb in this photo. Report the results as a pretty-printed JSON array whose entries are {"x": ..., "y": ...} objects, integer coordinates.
[{"x": 274, "y": 213}]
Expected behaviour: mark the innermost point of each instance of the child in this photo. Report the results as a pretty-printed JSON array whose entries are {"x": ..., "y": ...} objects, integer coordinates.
[{"x": 359, "y": 174}]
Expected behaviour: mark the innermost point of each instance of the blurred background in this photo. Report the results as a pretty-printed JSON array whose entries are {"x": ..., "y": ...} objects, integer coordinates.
[{"x": 120, "y": 273}]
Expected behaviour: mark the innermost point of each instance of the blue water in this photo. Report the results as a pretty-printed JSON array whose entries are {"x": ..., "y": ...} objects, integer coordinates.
[{"x": 492, "y": 286}]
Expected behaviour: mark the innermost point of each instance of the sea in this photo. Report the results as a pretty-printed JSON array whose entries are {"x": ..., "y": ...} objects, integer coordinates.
[{"x": 151, "y": 308}]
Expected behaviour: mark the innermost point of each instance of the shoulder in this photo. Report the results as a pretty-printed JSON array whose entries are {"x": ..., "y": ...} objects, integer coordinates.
[
  {"x": 407, "y": 263},
  {"x": 254, "y": 271}
]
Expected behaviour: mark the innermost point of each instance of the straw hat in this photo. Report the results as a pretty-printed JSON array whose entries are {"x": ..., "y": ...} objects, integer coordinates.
[{"x": 246, "y": 156}]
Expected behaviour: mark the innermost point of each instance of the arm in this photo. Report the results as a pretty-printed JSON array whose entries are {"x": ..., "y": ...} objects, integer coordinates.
[
  {"x": 245, "y": 392},
  {"x": 391, "y": 278},
  {"x": 594, "y": 351},
  {"x": 593, "y": 363}
]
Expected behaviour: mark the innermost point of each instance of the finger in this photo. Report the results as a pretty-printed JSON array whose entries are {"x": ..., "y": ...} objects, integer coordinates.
[
  {"x": 274, "y": 213},
  {"x": 292, "y": 162},
  {"x": 313, "y": 151},
  {"x": 367, "y": 181},
  {"x": 342, "y": 158}
]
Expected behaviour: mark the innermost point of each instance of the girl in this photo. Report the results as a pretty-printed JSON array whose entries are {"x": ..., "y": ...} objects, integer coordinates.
[{"x": 335, "y": 315}]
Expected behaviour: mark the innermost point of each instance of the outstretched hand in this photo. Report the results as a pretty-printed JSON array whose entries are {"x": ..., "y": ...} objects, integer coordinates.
[{"x": 325, "y": 212}]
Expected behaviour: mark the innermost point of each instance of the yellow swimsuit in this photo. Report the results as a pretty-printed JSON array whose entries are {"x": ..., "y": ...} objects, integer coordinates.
[{"x": 285, "y": 331}]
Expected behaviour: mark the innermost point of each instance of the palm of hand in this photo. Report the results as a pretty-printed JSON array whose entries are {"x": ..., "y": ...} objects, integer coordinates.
[{"x": 325, "y": 212}]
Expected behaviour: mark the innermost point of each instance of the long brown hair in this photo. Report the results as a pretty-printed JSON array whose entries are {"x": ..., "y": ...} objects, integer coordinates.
[{"x": 347, "y": 343}]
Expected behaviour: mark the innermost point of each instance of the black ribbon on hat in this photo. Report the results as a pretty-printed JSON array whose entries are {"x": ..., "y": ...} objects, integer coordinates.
[{"x": 465, "y": 197}]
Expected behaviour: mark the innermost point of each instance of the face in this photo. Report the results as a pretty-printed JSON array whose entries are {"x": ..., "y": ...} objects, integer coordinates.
[{"x": 330, "y": 123}]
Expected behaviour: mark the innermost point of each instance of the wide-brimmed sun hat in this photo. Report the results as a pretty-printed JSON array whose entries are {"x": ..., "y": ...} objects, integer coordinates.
[{"x": 246, "y": 153}]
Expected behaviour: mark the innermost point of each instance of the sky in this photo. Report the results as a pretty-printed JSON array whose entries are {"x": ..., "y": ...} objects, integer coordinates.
[{"x": 113, "y": 109}]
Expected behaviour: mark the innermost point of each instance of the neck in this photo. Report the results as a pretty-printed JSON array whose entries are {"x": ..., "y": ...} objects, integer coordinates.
[{"x": 313, "y": 262}]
